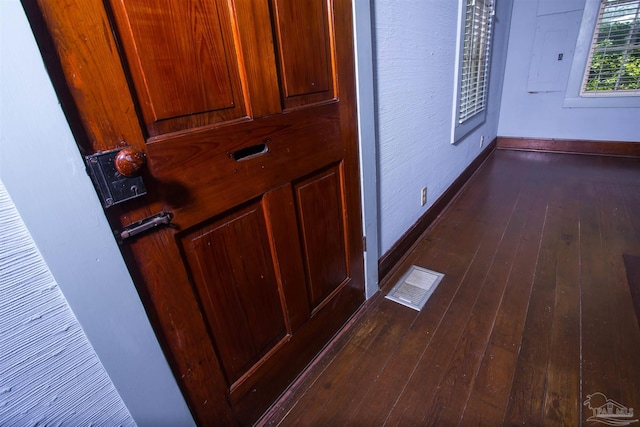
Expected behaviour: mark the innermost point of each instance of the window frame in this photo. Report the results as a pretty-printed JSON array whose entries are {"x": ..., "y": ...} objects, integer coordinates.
[
  {"x": 460, "y": 130},
  {"x": 573, "y": 95}
]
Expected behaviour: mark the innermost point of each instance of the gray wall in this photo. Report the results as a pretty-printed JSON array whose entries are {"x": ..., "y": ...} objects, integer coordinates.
[
  {"x": 414, "y": 63},
  {"x": 534, "y": 97},
  {"x": 43, "y": 173}
]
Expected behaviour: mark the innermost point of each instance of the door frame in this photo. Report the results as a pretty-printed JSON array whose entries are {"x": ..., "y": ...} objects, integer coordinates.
[
  {"x": 367, "y": 146},
  {"x": 89, "y": 302}
]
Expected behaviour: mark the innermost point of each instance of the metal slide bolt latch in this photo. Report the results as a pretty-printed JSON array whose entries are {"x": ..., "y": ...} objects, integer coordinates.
[{"x": 160, "y": 219}]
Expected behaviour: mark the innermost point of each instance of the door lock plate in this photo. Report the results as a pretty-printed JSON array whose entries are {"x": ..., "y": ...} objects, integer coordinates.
[{"x": 113, "y": 188}]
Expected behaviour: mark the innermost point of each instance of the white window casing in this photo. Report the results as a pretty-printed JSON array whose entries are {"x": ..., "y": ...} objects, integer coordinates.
[
  {"x": 474, "y": 54},
  {"x": 597, "y": 12},
  {"x": 613, "y": 64}
]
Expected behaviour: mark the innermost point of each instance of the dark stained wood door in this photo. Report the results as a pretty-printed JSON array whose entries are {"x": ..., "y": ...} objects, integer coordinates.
[{"x": 245, "y": 111}]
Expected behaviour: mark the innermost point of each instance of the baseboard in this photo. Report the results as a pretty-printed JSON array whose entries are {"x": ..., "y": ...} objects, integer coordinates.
[
  {"x": 574, "y": 146},
  {"x": 408, "y": 239}
]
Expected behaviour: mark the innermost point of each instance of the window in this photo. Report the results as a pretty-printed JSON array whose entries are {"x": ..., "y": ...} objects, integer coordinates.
[
  {"x": 473, "y": 65},
  {"x": 613, "y": 66},
  {"x": 581, "y": 76}
]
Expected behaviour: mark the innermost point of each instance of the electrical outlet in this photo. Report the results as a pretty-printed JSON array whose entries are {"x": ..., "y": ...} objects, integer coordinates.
[
  {"x": 423, "y": 196},
  {"x": 482, "y": 141}
]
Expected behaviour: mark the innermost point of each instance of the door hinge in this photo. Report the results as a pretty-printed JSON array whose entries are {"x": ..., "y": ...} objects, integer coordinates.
[
  {"x": 157, "y": 220},
  {"x": 364, "y": 243}
]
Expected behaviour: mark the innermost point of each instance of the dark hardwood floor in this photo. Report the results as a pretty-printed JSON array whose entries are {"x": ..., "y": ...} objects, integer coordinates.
[{"x": 533, "y": 315}]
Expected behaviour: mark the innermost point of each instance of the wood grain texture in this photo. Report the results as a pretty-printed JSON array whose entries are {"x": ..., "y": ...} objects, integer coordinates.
[
  {"x": 319, "y": 204},
  {"x": 632, "y": 265},
  {"x": 86, "y": 53},
  {"x": 197, "y": 35},
  {"x": 533, "y": 314},
  {"x": 199, "y": 176},
  {"x": 230, "y": 266},
  {"x": 107, "y": 120},
  {"x": 614, "y": 314},
  {"x": 254, "y": 276},
  {"x": 254, "y": 27},
  {"x": 285, "y": 240},
  {"x": 305, "y": 51},
  {"x": 577, "y": 146}
]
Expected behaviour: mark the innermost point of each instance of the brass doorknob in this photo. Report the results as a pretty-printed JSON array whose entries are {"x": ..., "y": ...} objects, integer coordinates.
[{"x": 129, "y": 161}]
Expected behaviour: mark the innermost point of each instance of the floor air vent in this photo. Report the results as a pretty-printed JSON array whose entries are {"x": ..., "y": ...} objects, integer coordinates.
[{"x": 415, "y": 287}]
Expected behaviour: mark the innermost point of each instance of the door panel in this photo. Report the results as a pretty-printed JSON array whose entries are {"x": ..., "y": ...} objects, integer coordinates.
[
  {"x": 319, "y": 201},
  {"x": 279, "y": 210},
  {"x": 198, "y": 35},
  {"x": 245, "y": 110},
  {"x": 254, "y": 26},
  {"x": 305, "y": 51},
  {"x": 232, "y": 267}
]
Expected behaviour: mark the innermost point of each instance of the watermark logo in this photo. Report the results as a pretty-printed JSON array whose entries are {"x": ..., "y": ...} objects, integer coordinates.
[{"x": 608, "y": 411}]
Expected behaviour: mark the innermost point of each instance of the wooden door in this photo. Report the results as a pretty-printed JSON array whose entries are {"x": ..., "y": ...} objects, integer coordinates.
[{"x": 245, "y": 111}]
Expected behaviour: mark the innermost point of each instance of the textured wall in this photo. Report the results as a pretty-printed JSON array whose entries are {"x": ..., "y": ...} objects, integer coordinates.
[
  {"x": 414, "y": 54},
  {"x": 49, "y": 373},
  {"x": 529, "y": 112}
]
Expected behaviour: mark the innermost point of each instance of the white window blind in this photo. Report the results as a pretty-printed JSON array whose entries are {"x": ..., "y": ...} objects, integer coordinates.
[
  {"x": 475, "y": 58},
  {"x": 613, "y": 66}
]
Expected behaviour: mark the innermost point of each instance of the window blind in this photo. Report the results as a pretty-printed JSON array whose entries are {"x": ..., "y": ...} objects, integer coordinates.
[
  {"x": 475, "y": 58},
  {"x": 614, "y": 58}
]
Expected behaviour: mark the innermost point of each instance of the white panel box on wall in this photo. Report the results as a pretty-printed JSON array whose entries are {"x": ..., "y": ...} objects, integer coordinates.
[{"x": 553, "y": 49}]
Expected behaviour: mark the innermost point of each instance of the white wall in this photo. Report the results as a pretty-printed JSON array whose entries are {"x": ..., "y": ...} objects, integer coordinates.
[
  {"x": 535, "y": 83},
  {"x": 414, "y": 64},
  {"x": 43, "y": 172}
]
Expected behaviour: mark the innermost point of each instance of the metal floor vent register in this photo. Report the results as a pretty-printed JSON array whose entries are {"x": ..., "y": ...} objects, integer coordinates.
[{"x": 415, "y": 287}]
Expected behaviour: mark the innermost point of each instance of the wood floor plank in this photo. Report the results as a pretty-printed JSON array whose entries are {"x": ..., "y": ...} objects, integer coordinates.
[
  {"x": 429, "y": 374},
  {"x": 546, "y": 381},
  {"x": 614, "y": 342},
  {"x": 474, "y": 341},
  {"x": 428, "y": 368},
  {"x": 336, "y": 410},
  {"x": 527, "y": 391},
  {"x": 631, "y": 196},
  {"x": 348, "y": 354},
  {"x": 533, "y": 313},
  {"x": 361, "y": 330},
  {"x": 596, "y": 305},
  {"x": 562, "y": 389},
  {"x": 381, "y": 396},
  {"x": 489, "y": 396},
  {"x": 632, "y": 267}
]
